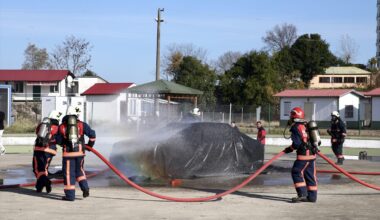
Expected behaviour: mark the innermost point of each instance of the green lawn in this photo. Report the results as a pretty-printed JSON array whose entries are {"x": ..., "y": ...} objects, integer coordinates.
[
  {"x": 19, "y": 149},
  {"x": 327, "y": 150}
]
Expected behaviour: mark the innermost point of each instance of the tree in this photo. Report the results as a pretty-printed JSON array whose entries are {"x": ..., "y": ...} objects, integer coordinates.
[
  {"x": 89, "y": 73},
  {"x": 192, "y": 73},
  {"x": 348, "y": 49},
  {"x": 175, "y": 53},
  {"x": 35, "y": 58},
  {"x": 280, "y": 37},
  {"x": 289, "y": 76},
  {"x": 226, "y": 61},
  {"x": 311, "y": 55},
  {"x": 372, "y": 64},
  {"x": 252, "y": 80},
  {"x": 74, "y": 55}
]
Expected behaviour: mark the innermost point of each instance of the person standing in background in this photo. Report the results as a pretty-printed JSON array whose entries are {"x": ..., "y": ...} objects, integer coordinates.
[
  {"x": 2, "y": 148},
  {"x": 261, "y": 133}
]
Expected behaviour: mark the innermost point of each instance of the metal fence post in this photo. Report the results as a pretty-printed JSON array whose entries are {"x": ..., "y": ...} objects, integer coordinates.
[{"x": 269, "y": 118}]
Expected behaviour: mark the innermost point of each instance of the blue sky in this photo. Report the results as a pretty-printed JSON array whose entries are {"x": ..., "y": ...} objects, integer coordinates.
[{"x": 123, "y": 33}]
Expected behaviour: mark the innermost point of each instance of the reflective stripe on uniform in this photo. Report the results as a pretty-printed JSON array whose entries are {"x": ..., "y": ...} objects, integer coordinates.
[
  {"x": 73, "y": 154},
  {"x": 312, "y": 188},
  {"x": 301, "y": 184},
  {"x": 45, "y": 149},
  {"x": 303, "y": 157}
]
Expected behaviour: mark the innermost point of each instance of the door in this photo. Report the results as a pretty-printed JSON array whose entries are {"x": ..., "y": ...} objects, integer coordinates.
[
  {"x": 37, "y": 93},
  {"x": 309, "y": 108},
  {"x": 367, "y": 114}
]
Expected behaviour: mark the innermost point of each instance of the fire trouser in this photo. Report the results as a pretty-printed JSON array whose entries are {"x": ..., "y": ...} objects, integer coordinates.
[
  {"x": 305, "y": 178},
  {"x": 337, "y": 148},
  {"x": 41, "y": 163},
  {"x": 73, "y": 171}
]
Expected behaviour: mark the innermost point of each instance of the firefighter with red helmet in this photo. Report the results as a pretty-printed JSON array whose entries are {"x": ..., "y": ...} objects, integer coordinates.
[
  {"x": 71, "y": 136},
  {"x": 45, "y": 149},
  {"x": 303, "y": 170}
]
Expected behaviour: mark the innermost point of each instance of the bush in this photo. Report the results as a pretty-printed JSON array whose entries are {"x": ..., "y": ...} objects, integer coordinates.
[{"x": 21, "y": 126}]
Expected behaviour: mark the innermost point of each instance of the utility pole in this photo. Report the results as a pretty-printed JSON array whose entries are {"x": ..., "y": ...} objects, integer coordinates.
[{"x": 158, "y": 20}]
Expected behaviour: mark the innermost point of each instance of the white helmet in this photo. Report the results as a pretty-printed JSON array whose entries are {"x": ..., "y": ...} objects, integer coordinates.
[
  {"x": 71, "y": 110},
  {"x": 55, "y": 115},
  {"x": 335, "y": 113},
  {"x": 196, "y": 111}
]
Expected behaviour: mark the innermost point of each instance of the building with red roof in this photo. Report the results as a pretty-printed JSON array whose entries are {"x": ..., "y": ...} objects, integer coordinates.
[
  {"x": 108, "y": 102},
  {"x": 319, "y": 103},
  {"x": 374, "y": 101},
  {"x": 30, "y": 85}
]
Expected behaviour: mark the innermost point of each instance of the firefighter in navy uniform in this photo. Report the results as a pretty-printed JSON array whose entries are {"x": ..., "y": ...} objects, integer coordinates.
[
  {"x": 337, "y": 132},
  {"x": 71, "y": 136},
  {"x": 304, "y": 170},
  {"x": 45, "y": 149}
]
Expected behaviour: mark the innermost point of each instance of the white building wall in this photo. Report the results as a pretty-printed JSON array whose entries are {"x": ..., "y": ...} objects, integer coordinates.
[
  {"x": 349, "y": 99},
  {"x": 323, "y": 107},
  {"x": 103, "y": 108},
  {"x": 375, "y": 108},
  {"x": 85, "y": 83}
]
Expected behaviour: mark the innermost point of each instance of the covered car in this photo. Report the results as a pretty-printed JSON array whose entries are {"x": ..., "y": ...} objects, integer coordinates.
[{"x": 188, "y": 150}]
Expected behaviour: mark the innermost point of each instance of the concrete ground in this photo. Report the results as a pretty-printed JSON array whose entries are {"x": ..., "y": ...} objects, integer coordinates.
[{"x": 338, "y": 198}]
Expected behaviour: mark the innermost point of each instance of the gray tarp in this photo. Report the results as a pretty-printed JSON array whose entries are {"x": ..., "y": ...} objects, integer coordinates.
[{"x": 188, "y": 150}]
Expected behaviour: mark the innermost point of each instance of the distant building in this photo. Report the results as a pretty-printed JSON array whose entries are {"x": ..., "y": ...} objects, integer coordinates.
[
  {"x": 28, "y": 85},
  {"x": 341, "y": 77},
  {"x": 374, "y": 96},
  {"x": 378, "y": 34},
  {"x": 108, "y": 103},
  {"x": 319, "y": 103}
]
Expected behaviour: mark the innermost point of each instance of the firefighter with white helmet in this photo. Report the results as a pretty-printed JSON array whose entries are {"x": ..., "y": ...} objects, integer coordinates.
[
  {"x": 337, "y": 131},
  {"x": 71, "y": 137},
  {"x": 45, "y": 149}
]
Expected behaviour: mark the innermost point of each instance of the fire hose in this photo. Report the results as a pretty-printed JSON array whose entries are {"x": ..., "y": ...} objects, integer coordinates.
[
  {"x": 52, "y": 182},
  {"x": 348, "y": 174},
  {"x": 201, "y": 199}
]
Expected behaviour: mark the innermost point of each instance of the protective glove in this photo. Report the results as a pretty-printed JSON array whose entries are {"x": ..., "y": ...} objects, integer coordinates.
[{"x": 288, "y": 150}]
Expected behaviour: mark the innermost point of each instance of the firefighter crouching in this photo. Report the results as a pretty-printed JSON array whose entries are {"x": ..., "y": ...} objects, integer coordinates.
[
  {"x": 304, "y": 170},
  {"x": 71, "y": 136},
  {"x": 45, "y": 149},
  {"x": 337, "y": 132}
]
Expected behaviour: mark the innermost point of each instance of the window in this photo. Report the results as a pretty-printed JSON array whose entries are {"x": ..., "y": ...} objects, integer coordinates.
[
  {"x": 361, "y": 79},
  {"x": 324, "y": 79},
  {"x": 54, "y": 89},
  {"x": 337, "y": 79},
  {"x": 349, "y": 80},
  {"x": 287, "y": 106},
  {"x": 18, "y": 87},
  {"x": 349, "y": 111}
]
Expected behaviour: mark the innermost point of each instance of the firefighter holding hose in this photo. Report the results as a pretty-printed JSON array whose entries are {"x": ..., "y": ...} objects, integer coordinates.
[
  {"x": 337, "y": 132},
  {"x": 71, "y": 137},
  {"x": 45, "y": 149},
  {"x": 306, "y": 145}
]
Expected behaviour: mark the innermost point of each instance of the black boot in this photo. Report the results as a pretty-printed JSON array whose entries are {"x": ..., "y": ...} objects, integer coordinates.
[
  {"x": 67, "y": 199},
  {"x": 86, "y": 193},
  {"x": 299, "y": 199},
  {"x": 48, "y": 186},
  {"x": 339, "y": 161}
]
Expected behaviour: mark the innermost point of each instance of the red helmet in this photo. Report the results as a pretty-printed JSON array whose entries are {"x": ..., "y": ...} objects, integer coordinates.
[{"x": 297, "y": 112}]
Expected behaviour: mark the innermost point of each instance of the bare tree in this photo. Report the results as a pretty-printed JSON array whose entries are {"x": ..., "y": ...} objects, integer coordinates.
[
  {"x": 175, "y": 52},
  {"x": 35, "y": 58},
  {"x": 349, "y": 49},
  {"x": 226, "y": 61},
  {"x": 72, "y": 55},
  {"x": 280, "y": 37}
]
